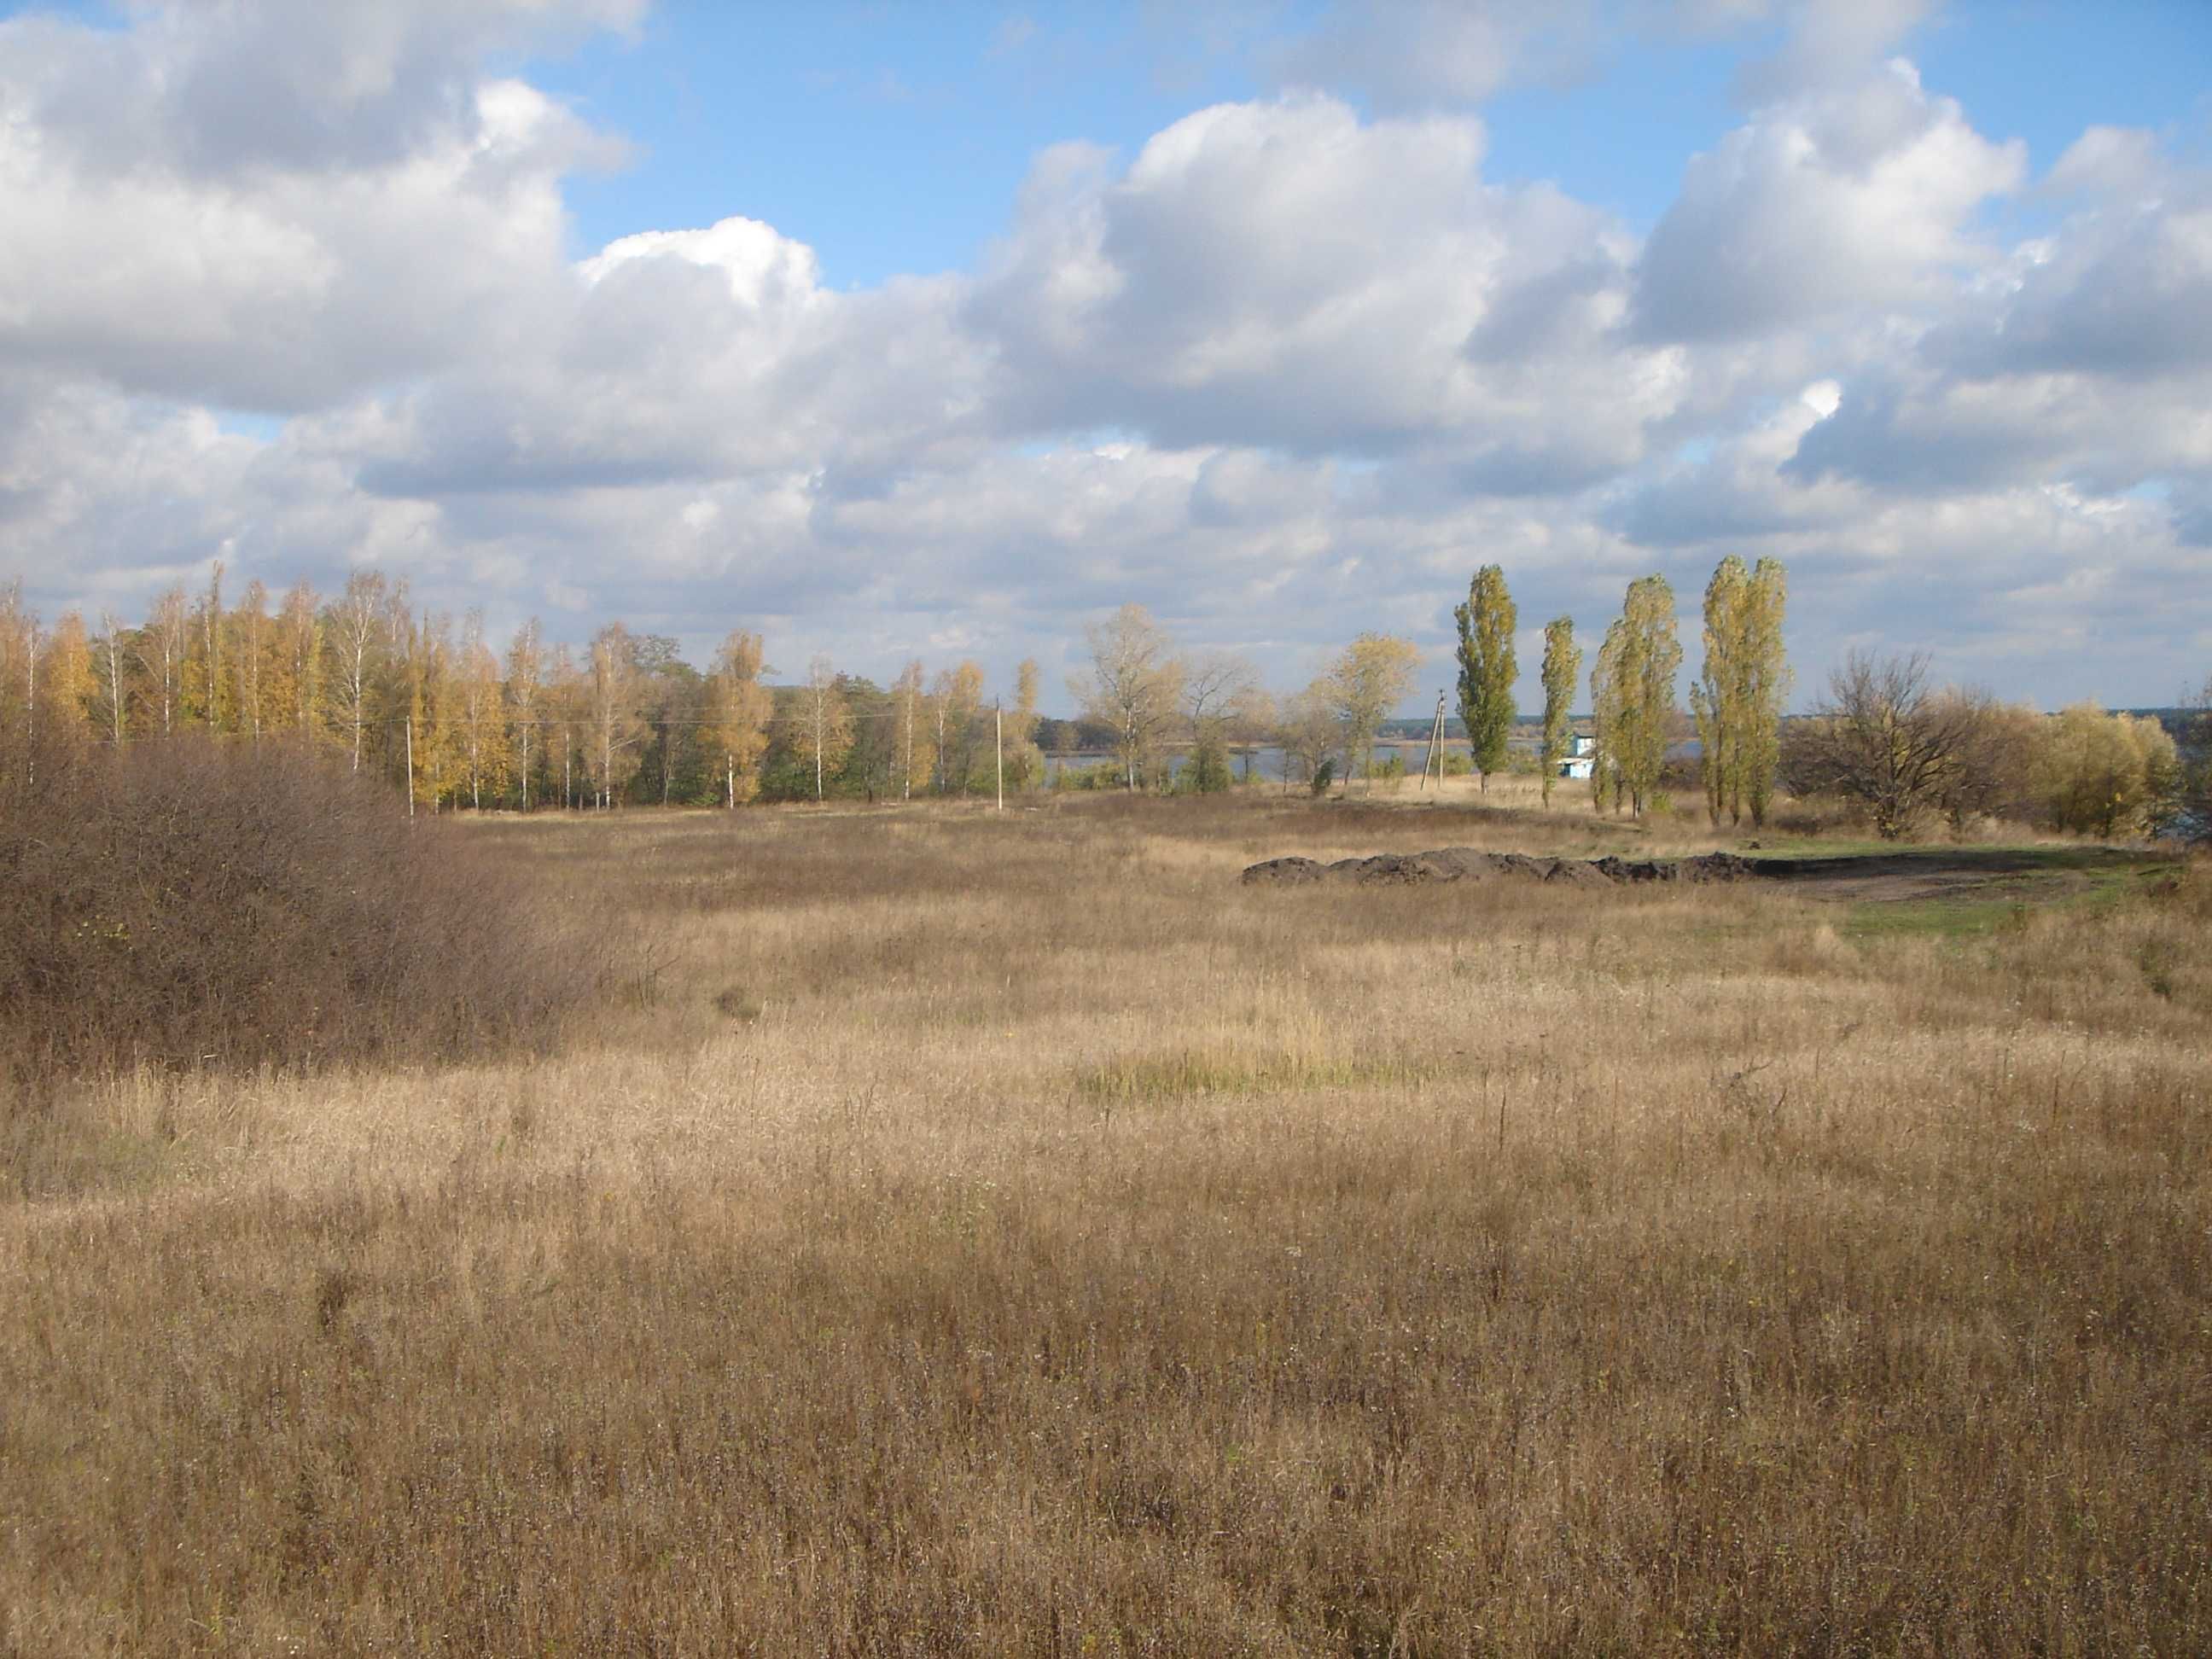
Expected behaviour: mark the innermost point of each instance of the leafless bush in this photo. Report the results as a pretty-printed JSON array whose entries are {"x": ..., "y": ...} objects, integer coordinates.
[
  {"x": 187, "y": 905},
  {"x": 1997, "y": 741},
  {"x": 1883, "y": 737}
]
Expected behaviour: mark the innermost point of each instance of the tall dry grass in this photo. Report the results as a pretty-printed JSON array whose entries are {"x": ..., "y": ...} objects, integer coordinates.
[{"x": 1012, "y": 1235}]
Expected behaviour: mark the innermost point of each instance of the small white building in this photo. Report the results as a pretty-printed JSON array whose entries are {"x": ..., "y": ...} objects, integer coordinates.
[{"x": 1582, "y": 758}]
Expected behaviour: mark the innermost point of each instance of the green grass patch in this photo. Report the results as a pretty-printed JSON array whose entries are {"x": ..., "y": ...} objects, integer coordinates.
[
  {"x": 1187, "y": 1072},
  {"x": 2070, "y": 879}
]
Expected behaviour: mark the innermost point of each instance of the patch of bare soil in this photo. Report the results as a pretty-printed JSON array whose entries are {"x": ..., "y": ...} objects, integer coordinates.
[
  {"x": 1470, "y": 864},
  {"x": 1920, "y": 873},
  {"x": 1944, "y": 872}
]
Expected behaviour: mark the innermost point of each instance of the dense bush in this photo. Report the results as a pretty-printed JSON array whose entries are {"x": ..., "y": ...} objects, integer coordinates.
[
  {"x": 1206, "y": 773},
  {"x": 2097, "y": 773},
  {"x": 189, "y": 903},
  {"x": 1104, "y": 775}
]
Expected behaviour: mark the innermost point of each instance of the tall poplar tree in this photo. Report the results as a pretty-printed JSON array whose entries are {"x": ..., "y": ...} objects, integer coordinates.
[
  {"x": 1738, "y": 695},
  {"x": 1563, "y": 668},
  {"x": 1487, "y": 668},
  {"x": 1767, "y": 681},
  {"x": 1609, "y": 715},
  {"x": 1713, "y": 693},
  {"x": 1632, "y": 691}
]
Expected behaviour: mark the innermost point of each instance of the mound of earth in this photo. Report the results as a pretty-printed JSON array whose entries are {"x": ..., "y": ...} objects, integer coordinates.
[{"x": 1469, "y": 864}]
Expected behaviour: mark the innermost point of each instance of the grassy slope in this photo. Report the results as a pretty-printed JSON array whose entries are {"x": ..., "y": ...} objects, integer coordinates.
[{"x": 1011, "y": 1235}]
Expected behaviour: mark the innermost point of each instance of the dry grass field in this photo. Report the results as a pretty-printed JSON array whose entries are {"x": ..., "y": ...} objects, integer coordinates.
[{"x": 1010, "y": 1235}]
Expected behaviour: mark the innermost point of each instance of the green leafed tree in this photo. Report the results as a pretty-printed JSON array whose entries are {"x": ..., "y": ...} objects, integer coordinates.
[
  {"x": 1609, "y": 717},
  {"x": 1563, "y": 668},
  {"x": 1738, "y": 696},
  {"x": 1487, "y": 668},
  {"x": 1632, "y": 691}
]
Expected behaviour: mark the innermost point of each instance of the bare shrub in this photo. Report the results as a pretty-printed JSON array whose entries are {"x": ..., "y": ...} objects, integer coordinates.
[
  {"x": 1997, "y": 752},
  {"x": 1883, "y": 737},
  {"x": 187, "y": 905}
]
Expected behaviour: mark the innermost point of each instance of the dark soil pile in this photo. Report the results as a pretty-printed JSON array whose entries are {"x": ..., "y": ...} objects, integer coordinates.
[{"x": 1469, "y": 864}]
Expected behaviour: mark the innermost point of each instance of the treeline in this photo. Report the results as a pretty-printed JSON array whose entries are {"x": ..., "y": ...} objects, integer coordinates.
[{"x": 434, "y": 706}]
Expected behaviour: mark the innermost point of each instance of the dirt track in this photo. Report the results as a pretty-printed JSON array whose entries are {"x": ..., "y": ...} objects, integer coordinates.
[
  {"x": 1935, "y": 872},
  {"x": 1917, "y": 873}
]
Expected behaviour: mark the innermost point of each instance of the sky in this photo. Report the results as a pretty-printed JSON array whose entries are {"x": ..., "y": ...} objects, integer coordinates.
[{"x": 891, "y": 332}]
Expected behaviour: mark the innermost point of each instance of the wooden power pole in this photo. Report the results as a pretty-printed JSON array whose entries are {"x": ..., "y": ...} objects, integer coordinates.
[{"x": 1436, "y": 748}]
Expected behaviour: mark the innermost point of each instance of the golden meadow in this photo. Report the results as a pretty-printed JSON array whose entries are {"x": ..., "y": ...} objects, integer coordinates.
[{"x": 956, "y": 1231}]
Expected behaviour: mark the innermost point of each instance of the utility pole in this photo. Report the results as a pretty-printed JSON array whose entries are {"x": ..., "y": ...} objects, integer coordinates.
[
  {"x": 411, "y": 766},
  {"x": 1436, "y": 748},
  {"x": 999, "y": 734}
]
